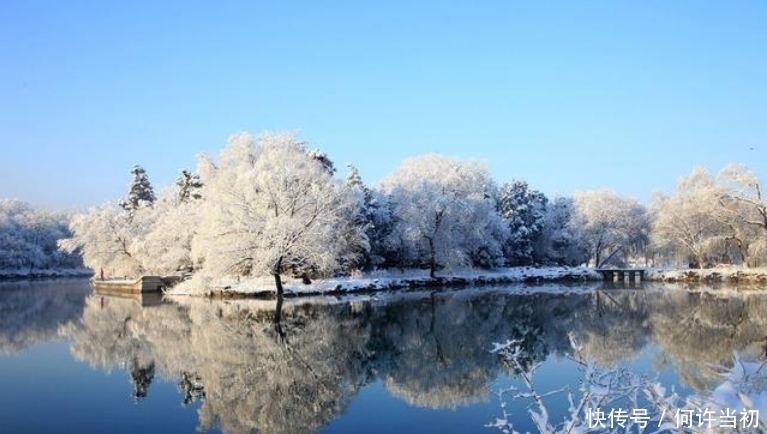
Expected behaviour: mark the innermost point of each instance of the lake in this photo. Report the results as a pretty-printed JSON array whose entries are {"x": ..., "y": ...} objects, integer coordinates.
[{"x": 413, "y": 362}]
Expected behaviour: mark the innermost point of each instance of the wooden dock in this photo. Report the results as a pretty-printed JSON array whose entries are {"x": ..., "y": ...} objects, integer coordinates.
[
  {"x": 141, "y": 285},
  {"x": 622, "y": 274}
]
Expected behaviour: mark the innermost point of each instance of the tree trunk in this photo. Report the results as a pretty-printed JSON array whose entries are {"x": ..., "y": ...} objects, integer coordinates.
[
  {"x": 698, "y": 261},
  {"x": 597, "y": 252},
  {"x": 609, "y": 257},
  {"x": 278, "y": 284},
  {"x": 432, "y": 260},
  {"x": 432, "y": 254},
  {"x": 277, "y": 280},
  {"x": 278, "y": 318}
]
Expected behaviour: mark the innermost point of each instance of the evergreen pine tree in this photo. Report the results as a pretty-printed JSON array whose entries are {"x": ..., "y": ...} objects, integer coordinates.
[
  {"x": 523, "y": 210},
  {"x": 323, "y": 159},
  {"x": 189, "y": 185},
  {"x": 353, "y": 178},
  {"x": 377, "y": 220},
  {"x": 140, "y": 193}
]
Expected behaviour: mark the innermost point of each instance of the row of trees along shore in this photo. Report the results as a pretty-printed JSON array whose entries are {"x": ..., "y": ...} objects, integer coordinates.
[
  {"x": 270, "y": 206},
  {"x": 28, "y": 239}
]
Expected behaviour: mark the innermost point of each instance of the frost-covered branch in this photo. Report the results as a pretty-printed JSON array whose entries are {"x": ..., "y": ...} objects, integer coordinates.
[{"x": 618, "y": 400}]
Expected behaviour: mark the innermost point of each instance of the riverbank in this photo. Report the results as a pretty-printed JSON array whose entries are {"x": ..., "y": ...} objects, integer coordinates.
[
  {"x": 263, "y": 287},
  {"x": 709, "y": 276},
  {"x": 382, "y": 281},
  {"x": 26, "y": 274}
]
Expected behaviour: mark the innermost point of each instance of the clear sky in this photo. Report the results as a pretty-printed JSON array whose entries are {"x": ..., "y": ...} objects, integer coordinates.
[{"x": 566, "y": 95}]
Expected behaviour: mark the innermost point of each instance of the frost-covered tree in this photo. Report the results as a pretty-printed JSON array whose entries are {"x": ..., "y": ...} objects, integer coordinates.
[
  {"x": 744, "y": 210},
  {"x": 376, "y": 218},
  {"x": 141, "y": 235},
  {"x": 687, "y": 226},
  {"x": 524, "y": 212},
  {"x": 107, "y": 237},
  {"x": 323, "y": 159},
  {"x": 385, "y": 245},
  {"x": 189, "y": 186},
  {"x": 150, "y": 240},
  {"x": 270, "y": 208},
  {"x": 164, "y": 247},
  {"x": 711, "y": 220},
  {"x": 353, "y": 178},
  {"x": 28, "y": 238},
  {"x": 608, "y": 225},
  {"x": 140, "y": 193},
  {"x": 557, "y": 243},
  {"x": 445, "y": 213}
]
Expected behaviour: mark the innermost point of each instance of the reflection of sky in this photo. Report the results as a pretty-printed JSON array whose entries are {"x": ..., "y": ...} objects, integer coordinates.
[{"x": 375, "y": 411}]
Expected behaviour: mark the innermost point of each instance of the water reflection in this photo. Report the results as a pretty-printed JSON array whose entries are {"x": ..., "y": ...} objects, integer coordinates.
[
  {"x": 122, "y": 333},
  {"x": 32, "y": 312},
  {"x": 428, "y": 349},
  {"x": 699, "y": 330}
]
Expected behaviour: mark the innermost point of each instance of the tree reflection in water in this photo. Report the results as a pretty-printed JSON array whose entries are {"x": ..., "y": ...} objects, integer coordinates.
[
  {"x": 32, "y": 312},
  {"x": 429, "y": 349},
  {"x": 141, "y": 375}
]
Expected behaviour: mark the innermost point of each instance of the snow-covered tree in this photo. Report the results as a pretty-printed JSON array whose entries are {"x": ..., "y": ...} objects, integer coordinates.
[
  {"x": 189, "y": 186},
  {"x": 107, "y": 237},
  {"x": 270, "y": 208},
  {"x": 557, "y": 243},
  {"x": 524, "y": 211},
  {"x": 165, "y": 246},
  {"x": 375, "y": 217},
  {"x": 711, "y": 220},
  {"x": 353, "y": 178},
  {"x": 445, "y": 213},
  {"x": 150, "y": 240},
  {"x": 608, "y": 225},
  {"x": 744, "y": 210},
  {"x": 688, "y": 225},
  {"x": 323, "y": 159},
  {"x": 385, "y": 245},
  {"x": 140, "y": 193},
  {"x": 28, "y": 238}
]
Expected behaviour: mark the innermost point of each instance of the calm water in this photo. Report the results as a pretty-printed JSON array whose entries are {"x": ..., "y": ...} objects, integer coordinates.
[{"x": 72, "y": 361}]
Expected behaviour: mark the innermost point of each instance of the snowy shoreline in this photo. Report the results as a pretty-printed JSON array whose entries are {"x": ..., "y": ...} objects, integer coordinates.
[
  {"x": 26, "y": 274},
  {"x": 260, "y": 287},
  {"x": 731, "y": 275},
  {"x": 263, "y": 287},
  {"x": 384, "y": 281}
]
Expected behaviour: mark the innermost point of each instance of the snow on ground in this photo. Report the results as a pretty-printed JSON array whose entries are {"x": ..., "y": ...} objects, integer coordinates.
[
  {"x": 386, "y": 296},
  {"x": 723, "y": 274},
  {"x": 384, "y": 280},
  {"x": 536, "y": 280},
  {"x": 16, "y": 274}
]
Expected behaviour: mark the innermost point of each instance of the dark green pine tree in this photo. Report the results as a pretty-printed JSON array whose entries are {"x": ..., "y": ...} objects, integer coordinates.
[
  {"x": 189, "y": 186},
  {"x": 523, "y": 210},
  {"x": 141, "y": 192}
]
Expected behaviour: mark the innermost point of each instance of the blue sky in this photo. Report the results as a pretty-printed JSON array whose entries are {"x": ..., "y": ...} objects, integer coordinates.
[{"x": 566, "y": 95}]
